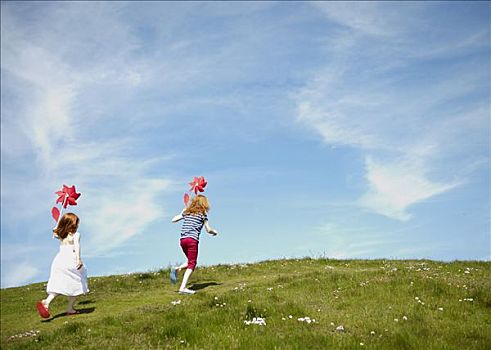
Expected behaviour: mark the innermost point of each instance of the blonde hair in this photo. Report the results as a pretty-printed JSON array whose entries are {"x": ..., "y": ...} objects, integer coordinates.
[
  {"x": 67, "y": 224},
  {"x": 199, "y": 205}
]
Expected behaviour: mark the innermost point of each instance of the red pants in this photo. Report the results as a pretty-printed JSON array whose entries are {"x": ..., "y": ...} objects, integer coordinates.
[{"x": 190, "y": 248}]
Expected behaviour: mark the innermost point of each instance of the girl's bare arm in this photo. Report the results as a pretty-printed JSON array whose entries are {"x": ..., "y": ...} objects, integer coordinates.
[
  {"x": 76, "y": 243},
  {"x": 209, "y": 229},
  {"x": 178, "y": 216}
]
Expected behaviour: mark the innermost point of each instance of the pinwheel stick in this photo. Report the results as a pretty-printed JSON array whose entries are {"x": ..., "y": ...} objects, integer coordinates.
[{"x": 61, "y": 211}]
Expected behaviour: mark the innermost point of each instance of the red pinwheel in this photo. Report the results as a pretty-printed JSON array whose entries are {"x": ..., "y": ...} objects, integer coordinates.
[
  {"x": 66, "y": 196},
  {"x": 198, "y": 184}
]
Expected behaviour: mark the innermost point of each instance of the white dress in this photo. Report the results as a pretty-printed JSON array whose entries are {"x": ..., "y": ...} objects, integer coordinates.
[{"x": 64, "y": 278}]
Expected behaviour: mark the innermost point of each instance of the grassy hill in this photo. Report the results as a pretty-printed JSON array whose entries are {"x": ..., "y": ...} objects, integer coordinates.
[{"x": 380, "y": 304}]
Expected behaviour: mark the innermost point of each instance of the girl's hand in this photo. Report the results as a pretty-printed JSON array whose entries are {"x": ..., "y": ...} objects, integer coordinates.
[
  {"x": 213, "y": 232},
  {"x": 79, "y": 265}
]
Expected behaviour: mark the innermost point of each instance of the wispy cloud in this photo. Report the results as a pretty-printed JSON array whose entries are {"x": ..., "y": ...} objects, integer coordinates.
[
  {"x": 404, "y": 123},
  {"x": 394, "y": 187},
  {"x": 116, "y": 215},
  {"x": 344, "y": 240},
  {"x": 365, "y": 18},
  {"x": 19, "y": 274},
  {"x": 47, "y": 95}
]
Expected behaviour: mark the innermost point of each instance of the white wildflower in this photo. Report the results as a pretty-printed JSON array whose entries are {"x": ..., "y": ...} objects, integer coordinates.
[
  {"x": 305, "y": 319},
  {"x": 256, "y": 320},
  {"x": 340, "y": 328}
]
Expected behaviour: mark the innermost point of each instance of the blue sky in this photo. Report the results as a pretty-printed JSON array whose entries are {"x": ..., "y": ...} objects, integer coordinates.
[{"x": 346, "y": 130}]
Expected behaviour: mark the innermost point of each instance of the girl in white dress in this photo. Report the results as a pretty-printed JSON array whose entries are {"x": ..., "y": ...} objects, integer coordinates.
[{"x": 68, "y": 274}]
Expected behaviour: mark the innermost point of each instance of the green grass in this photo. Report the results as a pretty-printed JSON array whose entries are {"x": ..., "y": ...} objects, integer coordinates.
[{"x": 364, "y": 296}]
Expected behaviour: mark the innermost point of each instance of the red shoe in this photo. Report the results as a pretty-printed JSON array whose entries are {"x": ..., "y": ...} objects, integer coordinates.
[{"x": 43, "y": 311}]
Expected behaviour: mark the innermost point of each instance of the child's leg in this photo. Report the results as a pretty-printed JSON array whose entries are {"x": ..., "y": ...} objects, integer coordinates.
[
  {"x": 49, "y": 299},
  {"x": 180, "y": 267},
  {"x": 191, "y": 249},
  {"x": 185, "y": 279},
  {"x": 71, "y": 301},
  {"x": 184, "y": 246},
  {"x": 43, "y": 305},
  {"x": 173, "y": 272}
]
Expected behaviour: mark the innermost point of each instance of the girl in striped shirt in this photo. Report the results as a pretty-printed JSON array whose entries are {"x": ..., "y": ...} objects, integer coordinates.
[{"x": 195, "y": 217}]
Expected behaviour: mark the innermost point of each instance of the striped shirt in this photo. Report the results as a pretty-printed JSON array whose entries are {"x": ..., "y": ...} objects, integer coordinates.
[{"x": 192, "y": 225}]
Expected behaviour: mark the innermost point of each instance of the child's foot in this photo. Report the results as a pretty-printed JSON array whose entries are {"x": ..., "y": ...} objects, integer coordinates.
[
  {"x": 42, "y": 309},
  {"x": 72, "y": 312},
  {"x": 186, "y": 291},
  {"x": 173, "y": 275}
]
